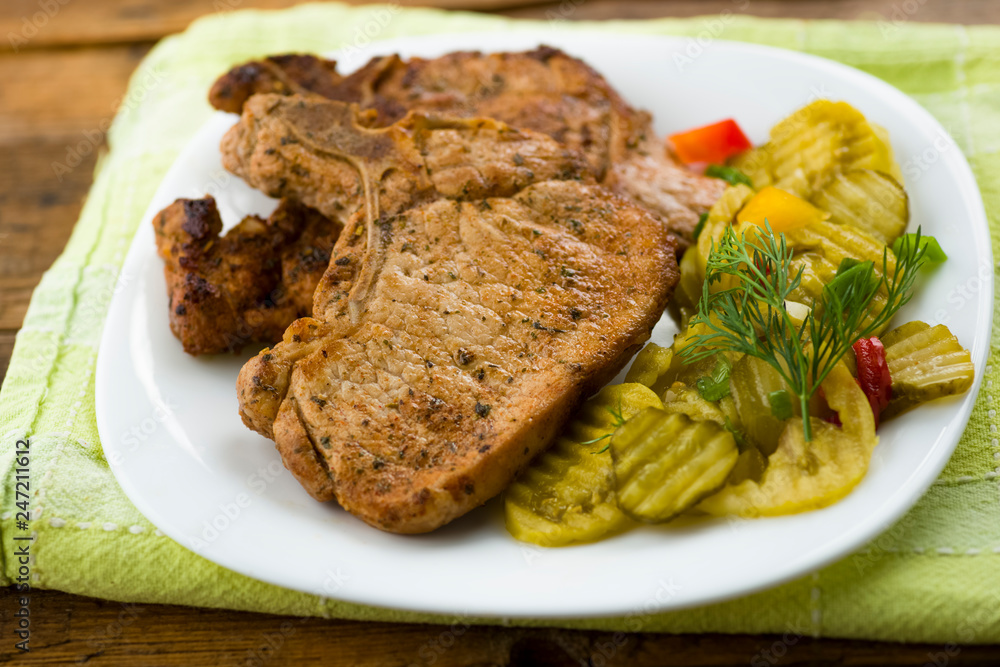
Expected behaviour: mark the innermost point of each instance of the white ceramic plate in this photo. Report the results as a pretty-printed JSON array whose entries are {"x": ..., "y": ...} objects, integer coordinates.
[{"x": 220, "y": 490}]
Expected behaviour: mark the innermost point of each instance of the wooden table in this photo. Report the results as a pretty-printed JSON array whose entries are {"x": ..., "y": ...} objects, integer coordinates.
[{"x": 65, "y": 80}]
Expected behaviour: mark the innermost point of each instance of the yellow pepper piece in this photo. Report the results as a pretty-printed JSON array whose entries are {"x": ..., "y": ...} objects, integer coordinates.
[{"x": 782, "y": 210}]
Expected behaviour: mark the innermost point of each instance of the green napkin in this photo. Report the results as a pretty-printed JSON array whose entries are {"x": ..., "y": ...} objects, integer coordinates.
[{"x": 933, "y": 577}]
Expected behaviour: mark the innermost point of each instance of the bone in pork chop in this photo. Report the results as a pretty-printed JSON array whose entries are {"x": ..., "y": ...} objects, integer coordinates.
[
  {"x": 246, "y": 285},
  {"x": 482, "y": 287},
  {"x": 223, "y": 302},
  {"x": 543, "y": 90}
]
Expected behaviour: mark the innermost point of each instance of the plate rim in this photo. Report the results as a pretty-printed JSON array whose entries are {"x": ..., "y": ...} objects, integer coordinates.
[{"x": 836, "y": 549}]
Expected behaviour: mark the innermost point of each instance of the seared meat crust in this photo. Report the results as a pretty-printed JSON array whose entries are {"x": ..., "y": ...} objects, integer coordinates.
[
  {"x": 247, "y": 285},
  {"x": 483, "y": 286},
  {"x": 321, "y": 154},
  {"x": 543, "y": 90}
]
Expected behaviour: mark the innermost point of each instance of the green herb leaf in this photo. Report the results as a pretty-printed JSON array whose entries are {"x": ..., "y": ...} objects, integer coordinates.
[
  {"x": 619, "y": 421},
  {"x": 781, "y": 404},
  {"x": 716, "y": 385},
  {"x": 702, "y": 219},
  {"x": 932, "y": 249},
  {"x": 853, "y": 275},
  {"x": 591, "y": 442},
  {"x": 618, "y": 414},
  {"x": 730, "y": 175},
  {"x": 750, "y": 317},
  {"x": 847, "y": 263}
]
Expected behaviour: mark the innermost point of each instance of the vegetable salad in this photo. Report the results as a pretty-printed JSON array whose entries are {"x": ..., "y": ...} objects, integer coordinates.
[{"x": 768, "y": 401}]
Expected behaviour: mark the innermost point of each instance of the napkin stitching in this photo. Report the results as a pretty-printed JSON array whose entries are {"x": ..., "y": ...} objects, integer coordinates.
[
  {"x": 814, "y": 601},
  {"x": 60, "y": 448},
  {"x": 63, "y": 441},
  {"x": 931, "y": 551},
  {"x": 323, "y": 607},
  {"x": 946, "y": 95},
  {"x": 52, "y": 366},
  {"x": 108, "y": 526},
  {"x": 963, "y": 90},
  {"x": 991, "y": 416},
  {"x": 968, "y": 479},
  {"x": 801, "y": 36},
  {"x": 71, "y": 312}
]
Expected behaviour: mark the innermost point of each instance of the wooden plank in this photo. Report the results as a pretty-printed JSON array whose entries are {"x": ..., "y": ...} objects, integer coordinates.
[
  {"x": 955, "y": 11},
  {"x": 6, "y": 348},
  {"x": 50, "y": 98},
  {"x": 37, "y": 214},
  {"x": 32, "y": 24},
  {"x": 71, "y": 630},
  {"x": 63, "y": 94},
  {"x": 60, "y": 102}
]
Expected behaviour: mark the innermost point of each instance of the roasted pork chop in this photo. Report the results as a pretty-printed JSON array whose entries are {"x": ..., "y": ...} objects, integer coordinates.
[
  {"x": 223, "y": 301},
  {"x": 543, "y": 90},
  {"x": 247, "y": 285},
  {"x": 484, "y": 285}
]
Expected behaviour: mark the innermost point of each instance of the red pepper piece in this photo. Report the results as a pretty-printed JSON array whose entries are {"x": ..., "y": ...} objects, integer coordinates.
[
  {"x": 712, "y": 143},
  {"x": 873, "y": 373},
  {"x": 762, "y": 265}
]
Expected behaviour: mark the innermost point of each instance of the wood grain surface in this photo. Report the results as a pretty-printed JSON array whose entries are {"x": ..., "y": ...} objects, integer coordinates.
[
  {"x": 64, "y": 64},
  {"x": 70, "y": 630}
]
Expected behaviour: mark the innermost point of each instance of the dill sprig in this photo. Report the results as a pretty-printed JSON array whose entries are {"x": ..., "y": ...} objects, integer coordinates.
[
  {"x": 749, "y": 317},
  {"x": 619, "y": 420}
]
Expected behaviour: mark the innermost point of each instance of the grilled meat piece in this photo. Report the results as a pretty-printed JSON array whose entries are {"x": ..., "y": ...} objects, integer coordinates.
[
  {"x": 543, "y": 90},
  {"x": 289, "y": 75},
  {"x": 483, "y": 286},
  {"x": 283, "y": 145},
  {"x": 247, "y": 285}
]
